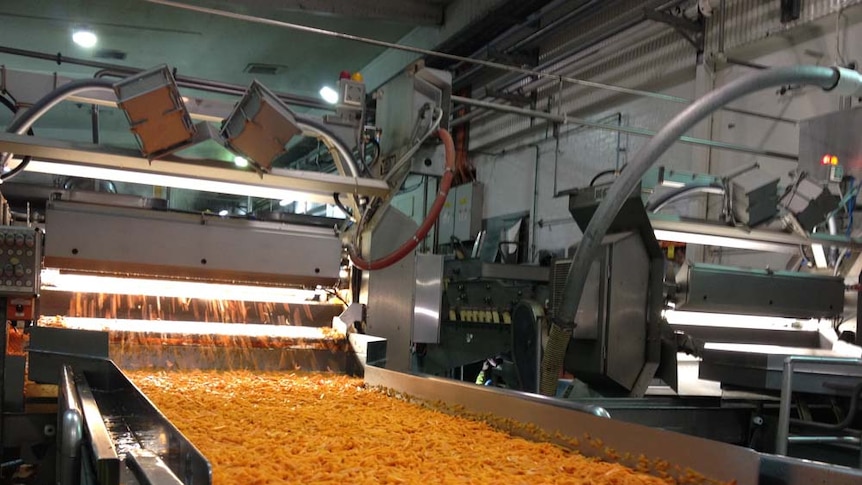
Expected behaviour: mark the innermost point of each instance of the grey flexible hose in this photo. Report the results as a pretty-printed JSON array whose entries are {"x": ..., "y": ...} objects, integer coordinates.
[
  {"x": 825, "y": 77},
  {"x": 313, "y": 127},
  {"x": 683, "y": 193},
  {"x": 22, "y": 123}
]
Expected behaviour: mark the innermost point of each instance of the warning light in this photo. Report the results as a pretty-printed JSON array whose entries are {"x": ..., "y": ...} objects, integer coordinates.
[
  {"x": 834, "y": 160},
  {"x": 829, "y": 160}
]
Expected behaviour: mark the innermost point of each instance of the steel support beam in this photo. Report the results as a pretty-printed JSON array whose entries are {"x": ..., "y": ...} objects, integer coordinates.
[
  {"x": 320, "y": 186},
  {"x": 416, "y": 12}
]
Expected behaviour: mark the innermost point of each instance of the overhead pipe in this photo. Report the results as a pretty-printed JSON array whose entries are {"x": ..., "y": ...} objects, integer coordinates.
[
  {"x": 419, "y": 50},
  {"x": 839, "y": 80},
  {"x": 24, "y": 122},
  {"x": 566, "y": 119},
  {"x": 116, "y": 70}
]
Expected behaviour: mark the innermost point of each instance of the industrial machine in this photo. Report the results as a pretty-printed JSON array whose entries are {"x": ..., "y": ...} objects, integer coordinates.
[{"x": 102, "y": 283}]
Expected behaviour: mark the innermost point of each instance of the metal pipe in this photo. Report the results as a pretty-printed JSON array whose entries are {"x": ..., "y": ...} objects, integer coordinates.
[
  {"x": 219, "y": 87},
  {"x": 22, "y": 123},
  {"x": 416, "y": 50},
  {"x": 783, "y": 432},
  {"x": 683, "y": 193},
  {"x": 826, "y": 78},
  {"x": 566, "y": 119},
  {"x": 70, "y": 432},
  {"x": 721, "y": 23},
  {"x": 94, "y": 121},
  {"x": 314, "y": 127}
]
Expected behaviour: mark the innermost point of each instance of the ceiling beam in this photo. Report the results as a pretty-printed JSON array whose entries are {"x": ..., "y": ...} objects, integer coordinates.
[
  {"x": 416, "y": 12},
  {"x": 460, "y": 15}
]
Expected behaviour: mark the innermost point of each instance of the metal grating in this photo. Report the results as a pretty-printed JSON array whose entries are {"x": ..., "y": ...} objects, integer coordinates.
[{"x": 559, "y": 271}]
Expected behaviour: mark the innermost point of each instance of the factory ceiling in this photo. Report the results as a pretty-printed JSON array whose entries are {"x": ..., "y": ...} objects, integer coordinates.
[{"x": 141, "y": 34}]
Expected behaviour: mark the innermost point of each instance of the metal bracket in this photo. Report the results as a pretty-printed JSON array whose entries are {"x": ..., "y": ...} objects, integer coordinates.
[
  {"x": 790, "y": 10},
  {"x": 516, "y": 99},
  {"x": 692, "y": 32}
]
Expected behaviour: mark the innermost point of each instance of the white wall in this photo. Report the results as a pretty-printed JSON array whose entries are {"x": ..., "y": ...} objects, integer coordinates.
[{"x": 509, "y": 172}]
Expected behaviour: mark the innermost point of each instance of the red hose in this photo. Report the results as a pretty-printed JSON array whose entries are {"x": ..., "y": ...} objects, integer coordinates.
[{"x": 427, "y": 224}]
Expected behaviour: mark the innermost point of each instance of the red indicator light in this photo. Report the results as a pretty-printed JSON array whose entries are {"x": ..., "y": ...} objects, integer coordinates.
[{"x": 826, "y": 160}]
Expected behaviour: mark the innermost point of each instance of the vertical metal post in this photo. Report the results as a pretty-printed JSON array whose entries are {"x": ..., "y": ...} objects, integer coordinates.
[
  {"x": 783, "y": 433},
  {"x": 94, "y": 118},
  {"x": 3, "y": 344}
]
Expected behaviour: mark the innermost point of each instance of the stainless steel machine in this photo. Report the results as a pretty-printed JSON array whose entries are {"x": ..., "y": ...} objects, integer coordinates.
[{"x": 127, "y": 285}]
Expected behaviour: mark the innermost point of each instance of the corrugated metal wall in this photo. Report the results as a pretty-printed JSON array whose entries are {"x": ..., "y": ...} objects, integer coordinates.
[{"x": 754, "y": 20}]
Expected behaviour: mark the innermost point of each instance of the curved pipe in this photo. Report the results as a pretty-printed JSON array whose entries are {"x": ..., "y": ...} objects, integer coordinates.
[
  {"x": 825, "y": 77},
  {"x": 427, "y": 224},
  {"x": 310, "y": 126},
  {"x": 22, "y": 124},
  {"x": 683, "y": 193}
]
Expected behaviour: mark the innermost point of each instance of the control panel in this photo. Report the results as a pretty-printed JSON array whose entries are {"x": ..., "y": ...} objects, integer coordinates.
[{"x": 20, "y": 260}]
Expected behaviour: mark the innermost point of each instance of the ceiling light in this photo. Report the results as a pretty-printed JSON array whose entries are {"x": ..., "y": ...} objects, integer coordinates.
[
  {"x": 223, "y": 212},
  {"x": 240, "y": 162},
  {"x": 85, "y": 38},
  {"x": 284, "y": 202},
  {"x": 329, "y": 95}
]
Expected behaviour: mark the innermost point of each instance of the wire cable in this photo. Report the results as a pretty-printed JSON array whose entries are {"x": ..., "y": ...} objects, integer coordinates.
[{"x": 427, "y": 224}]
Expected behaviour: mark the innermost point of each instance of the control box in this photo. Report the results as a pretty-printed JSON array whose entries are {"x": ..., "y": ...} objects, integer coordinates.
[{"x": 20, "y": 260}]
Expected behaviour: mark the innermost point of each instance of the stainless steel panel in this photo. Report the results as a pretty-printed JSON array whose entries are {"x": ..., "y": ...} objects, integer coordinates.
[
  {"x": 428, "y": 299},
  {"x": 150, "y": 469},
  {"x": 93, "y": 238},
  {"x": 469, "y": 200},
  {"x": 388, "y": 293},
  {"x": 723, "y": 289},
  {"x": 592, "y": 307},
  {"x": 761, "y": 366},
  {"x": 446, "y": 222},
  {"x": 629, "y": 442},
  {"x": 105, "y": 458},
  {"x": 626, "y": 340},
  {"x": 127, "y": 412},
  {"x": 475, "y": 269}
]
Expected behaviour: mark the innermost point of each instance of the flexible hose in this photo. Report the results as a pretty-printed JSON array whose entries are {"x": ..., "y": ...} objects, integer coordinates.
[
  {"x": 683, "y": 193},
  {"x": 22, "y": 124},
  {"x": 427, "y": 224},
  {"x": 313, "y": 127},
  {"x": 25, "y": 160},
  {"x": 825, "y": 77}
]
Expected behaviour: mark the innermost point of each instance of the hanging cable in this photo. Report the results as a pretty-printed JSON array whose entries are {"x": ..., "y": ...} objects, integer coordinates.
[{"x": 427, "y": 224}]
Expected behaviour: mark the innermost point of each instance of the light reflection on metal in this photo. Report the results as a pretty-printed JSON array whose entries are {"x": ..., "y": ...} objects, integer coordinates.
[
  {"x": 54, "y": 280},
  {"x": 676, "y": 317},
  {"x": 200, "y": 328}
]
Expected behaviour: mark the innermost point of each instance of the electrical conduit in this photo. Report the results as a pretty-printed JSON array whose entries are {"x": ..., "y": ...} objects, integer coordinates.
[{"x": 409, "y": 245}]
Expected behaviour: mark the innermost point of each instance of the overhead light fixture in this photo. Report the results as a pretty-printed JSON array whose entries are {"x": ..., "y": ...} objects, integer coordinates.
[
  {"x": 223, "y": 213},
  {"x": 329, "y": 95},
  {"x": 54, "y": 280},
  {"x": 240, "y": 162},
  {"x": 85, "y": 38},
  {"x": 284, "y": 202},
  {"x": 720, "y": 241},
  {"x": 259, "y": 126},
  {"x": 174, "y": 181},
  {"x": 703, "y": 319},
  {"x": 156, "y": 112}
]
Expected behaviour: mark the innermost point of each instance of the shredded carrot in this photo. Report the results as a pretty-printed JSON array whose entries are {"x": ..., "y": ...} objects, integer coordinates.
[{"x": 267, "y": 428}]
